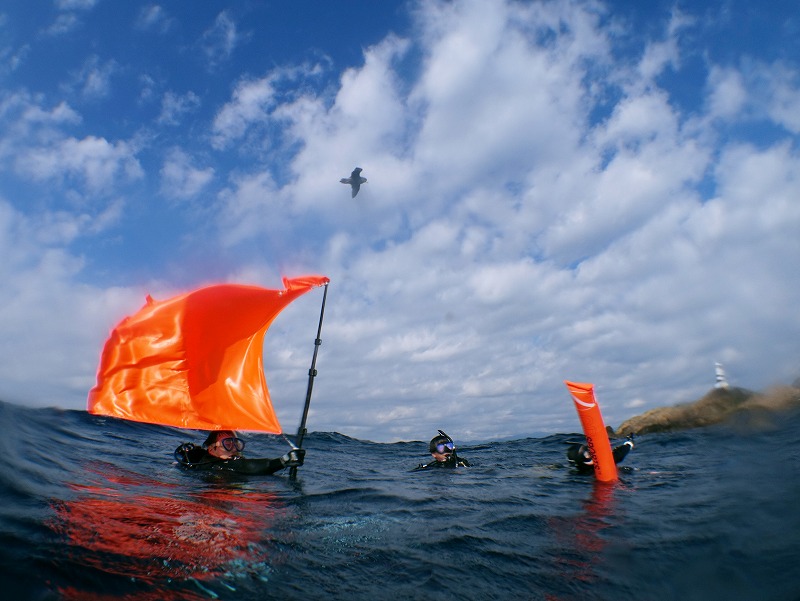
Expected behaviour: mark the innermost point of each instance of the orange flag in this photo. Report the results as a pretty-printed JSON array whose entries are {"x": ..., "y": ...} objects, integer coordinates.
[{"x": 195, "y": 360}]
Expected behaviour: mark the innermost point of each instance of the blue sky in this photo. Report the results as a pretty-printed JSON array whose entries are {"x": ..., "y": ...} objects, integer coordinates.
[{"x": 593, "y": 191}]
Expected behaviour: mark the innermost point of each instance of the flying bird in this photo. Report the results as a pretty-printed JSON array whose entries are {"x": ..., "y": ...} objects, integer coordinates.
[{"x": 355, "y": 180}]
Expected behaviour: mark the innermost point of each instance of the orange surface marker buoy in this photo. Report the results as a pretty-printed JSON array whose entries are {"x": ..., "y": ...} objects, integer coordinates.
[{"x": 605, "y": 469}]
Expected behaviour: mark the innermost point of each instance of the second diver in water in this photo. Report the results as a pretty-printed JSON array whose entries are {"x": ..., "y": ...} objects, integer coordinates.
[
  {"x": 579, "y": 456},
  {"x": 443, "y": 450},
  {"x": 222, "y": 450}
]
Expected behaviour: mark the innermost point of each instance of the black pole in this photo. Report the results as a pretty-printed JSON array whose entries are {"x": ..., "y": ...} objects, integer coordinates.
[{"x": 301, "y": 431}]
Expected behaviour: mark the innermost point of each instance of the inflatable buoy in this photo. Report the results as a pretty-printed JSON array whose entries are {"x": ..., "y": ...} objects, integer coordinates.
[{"x": 605, "y": 469}]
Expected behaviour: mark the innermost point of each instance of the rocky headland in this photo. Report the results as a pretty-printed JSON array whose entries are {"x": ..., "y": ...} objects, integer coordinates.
[{"x": 719, "y": 405}]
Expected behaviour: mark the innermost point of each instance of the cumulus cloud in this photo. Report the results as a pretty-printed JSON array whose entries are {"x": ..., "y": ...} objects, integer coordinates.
[
  {"x": 755, "y": 91},
  {"x": 251, "y": 103},
  {"x": 39, "y": 271},
  {"x": 179, "y": 179},
  {"x": 252, "y": 108},
  {"x": 660, "y": 54},
  {"x": 34, "y": 146},
  {"x": 253, "y": 206},
  {"x": 539, "y": 207},
  {"x": 95, "y": 162},
  {"x": 783, "y": 103},
  {"x": 546, "y": 240},
  {"x": 728, "y": 93}
]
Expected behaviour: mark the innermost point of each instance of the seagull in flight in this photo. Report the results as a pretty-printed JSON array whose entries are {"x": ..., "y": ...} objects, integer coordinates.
[{"x": 355, "y": 180}]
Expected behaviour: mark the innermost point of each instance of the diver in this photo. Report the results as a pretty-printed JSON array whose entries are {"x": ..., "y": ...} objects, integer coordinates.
[
  {"x": 579, "y": 456},
  {"x": 443, "y": 450},
  {"x": 222, "y": 451}
]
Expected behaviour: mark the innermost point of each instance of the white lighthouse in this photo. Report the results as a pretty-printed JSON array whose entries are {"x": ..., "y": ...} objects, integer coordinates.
[{"x": 721, "y": 381}]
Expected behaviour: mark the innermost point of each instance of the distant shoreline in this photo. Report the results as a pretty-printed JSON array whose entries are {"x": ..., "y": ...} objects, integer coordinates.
[{"x": 719, "y": 405}]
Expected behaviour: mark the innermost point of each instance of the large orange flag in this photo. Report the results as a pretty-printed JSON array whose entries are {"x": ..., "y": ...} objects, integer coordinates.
[{"x": 195, "y": 360}]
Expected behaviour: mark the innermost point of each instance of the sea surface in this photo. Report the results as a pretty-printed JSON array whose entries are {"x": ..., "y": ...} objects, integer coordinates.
[{"x": 95, "y": 509}]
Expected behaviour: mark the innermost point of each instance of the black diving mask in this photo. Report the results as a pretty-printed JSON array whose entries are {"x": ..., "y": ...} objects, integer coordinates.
[{"x": 232, "y": 444}]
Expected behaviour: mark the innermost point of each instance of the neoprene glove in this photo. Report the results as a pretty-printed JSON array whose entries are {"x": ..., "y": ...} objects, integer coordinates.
[
  {"x": 293, "y": 458},
  {"x": 182, "y": 452}
]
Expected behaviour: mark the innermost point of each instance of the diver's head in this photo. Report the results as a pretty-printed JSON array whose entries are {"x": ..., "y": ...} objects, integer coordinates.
[
  {"x": 442, "y": 447},
  {"x": 223, "y": 444}
]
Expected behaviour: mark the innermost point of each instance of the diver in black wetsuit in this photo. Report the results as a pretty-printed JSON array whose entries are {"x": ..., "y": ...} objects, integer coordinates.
[
  {"x": 443, "y": 450},
  {"x": 222, "y": 451},
  {"x": 579, "y": 456}
]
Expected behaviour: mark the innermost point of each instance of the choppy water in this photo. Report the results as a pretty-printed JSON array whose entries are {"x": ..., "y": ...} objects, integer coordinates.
[{"x": 94, "y": 509}]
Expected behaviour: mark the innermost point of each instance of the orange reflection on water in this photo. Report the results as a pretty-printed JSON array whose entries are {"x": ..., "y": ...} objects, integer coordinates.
[
  {"x": 157, "y": 541},
  {"x": 579, "y": 537}
]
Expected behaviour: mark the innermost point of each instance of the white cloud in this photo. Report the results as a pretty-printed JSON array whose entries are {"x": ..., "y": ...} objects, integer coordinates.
[
  {"x": 758, "y": 189},
  {"x": 75, "y": 4},
  {"x": 664, "y": 53},
  {"x": 253, "y": 206},
  {"x": 220, "y": 40},
  {"x": 251, "y": 103},
  {"x": 539, "y": 208},
  {"x": 783, "y": 93},
  {"x": 368, "y": 97},
  {"x": 727, "y": 95},
  {"x": 259, "y": 103},
  {"x": 63, "y": 24},
  {"x": 95, "y": 77},
  {"x": 154, "y": 18},
  {"x": 45, "y": 311},
  {"x": 96, "y": 162},
  {"x": 12, "y": 58},
  {"x": 179, "y": 179},
  {"x": 62, "y": 113},
  {"x": 620, "y": 199},
  {"x": 491, "y": 102},
  {"x": 175, "y": 106},
  {"x": 756, "y": 91}
]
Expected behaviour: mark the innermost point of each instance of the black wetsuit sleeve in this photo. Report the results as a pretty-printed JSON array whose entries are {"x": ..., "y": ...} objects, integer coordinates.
[
  {"x": 255, "y": 467},
  {"x": 451, "y": 463},
  {"x": 621, "y": 451},
  {"x": 190, "y": 454},
  {"x": 195, "y": 457},
  {"x": 425, "y": 466},
  {"x": 576, "y": 455}
]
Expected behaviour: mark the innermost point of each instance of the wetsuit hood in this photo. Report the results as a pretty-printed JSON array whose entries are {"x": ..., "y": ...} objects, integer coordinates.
[
  {"x": 215, "y": 435},
  {"x": 440, "y": 439}
]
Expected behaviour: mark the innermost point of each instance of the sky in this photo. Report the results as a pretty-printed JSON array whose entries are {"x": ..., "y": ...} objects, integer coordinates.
[{"x": 603, "y": 192}]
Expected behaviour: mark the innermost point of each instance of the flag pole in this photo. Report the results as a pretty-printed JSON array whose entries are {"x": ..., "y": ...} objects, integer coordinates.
[{"x": 301, "y": 431}]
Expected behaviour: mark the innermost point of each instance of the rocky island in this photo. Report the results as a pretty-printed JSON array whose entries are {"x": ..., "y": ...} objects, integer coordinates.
[{"x": 717, "y": 406}]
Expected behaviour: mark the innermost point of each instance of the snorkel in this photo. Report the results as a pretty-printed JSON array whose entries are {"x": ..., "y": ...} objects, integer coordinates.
[{"x": 453, "y": 455}]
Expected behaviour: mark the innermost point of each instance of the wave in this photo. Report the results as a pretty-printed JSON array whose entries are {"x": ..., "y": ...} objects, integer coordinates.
[{"x": 93, "y": 508}]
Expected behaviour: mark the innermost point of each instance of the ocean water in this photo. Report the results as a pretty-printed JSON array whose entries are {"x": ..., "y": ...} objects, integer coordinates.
[{"x": 95, "y": 509}]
